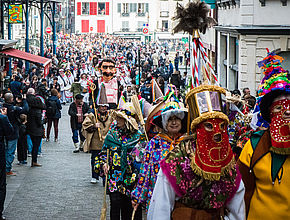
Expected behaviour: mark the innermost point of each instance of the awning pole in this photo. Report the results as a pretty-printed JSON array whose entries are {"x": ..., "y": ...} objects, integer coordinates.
[
  {"x": 54, "y": 29},
  {"x": 27, "y": 35},
  {"x": 9, "y": 38},
  {"x": 41, "y": 28}
]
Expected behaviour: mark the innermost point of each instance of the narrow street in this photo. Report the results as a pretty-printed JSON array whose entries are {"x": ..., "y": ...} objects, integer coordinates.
[{"x": 60, "y": 189}]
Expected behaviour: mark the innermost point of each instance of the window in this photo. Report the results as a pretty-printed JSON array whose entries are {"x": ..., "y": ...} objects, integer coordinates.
[
  {"x": 101, "y": 26},
  {"x": 125, "y": 25},
  {"x": 141, "y": 7},
  {"x": 140, "y": 26},
  {"x": 85, "y": 26},
  {"x": 164, "y": 11},
  {"x": 85, "y": 8},
  {"x": 101, "y": 8},
  {"x": 164, "y": 25},
  {"x": 125, "y": 8},
  {"x": 93, "y": 8},
  {"x": 133, "y": 7}
]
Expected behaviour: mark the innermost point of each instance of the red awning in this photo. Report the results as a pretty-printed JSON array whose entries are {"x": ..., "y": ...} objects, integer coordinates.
[{"x": 14, "y": 53}]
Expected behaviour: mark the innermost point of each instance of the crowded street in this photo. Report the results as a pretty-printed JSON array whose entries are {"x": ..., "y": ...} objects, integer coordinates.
[
  {"x": 152, "y": 109},
  {"x": 61, "y": 189}
]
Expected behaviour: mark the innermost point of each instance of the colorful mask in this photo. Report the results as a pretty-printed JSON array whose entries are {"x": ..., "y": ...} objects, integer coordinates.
[
  {"x": 213, "y": 153},
  {"x": 280, "y": 127}
]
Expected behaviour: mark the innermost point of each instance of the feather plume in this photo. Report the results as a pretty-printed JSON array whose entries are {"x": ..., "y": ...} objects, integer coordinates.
[{"x": 193, "y": 16}]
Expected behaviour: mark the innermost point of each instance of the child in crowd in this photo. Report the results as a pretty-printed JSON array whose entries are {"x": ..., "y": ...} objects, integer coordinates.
[{"x": 22, "y": 141}]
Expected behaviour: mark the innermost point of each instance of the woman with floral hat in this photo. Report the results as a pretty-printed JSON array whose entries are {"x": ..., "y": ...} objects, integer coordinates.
[
  {"x": 121, "y": 140},
  {"x": 171, "y": 120}
]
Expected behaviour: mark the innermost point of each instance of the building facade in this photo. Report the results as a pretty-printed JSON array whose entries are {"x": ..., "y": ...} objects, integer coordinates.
[
  {"x": 93, "y": 16},
  {"x": 245, "y": 29}
]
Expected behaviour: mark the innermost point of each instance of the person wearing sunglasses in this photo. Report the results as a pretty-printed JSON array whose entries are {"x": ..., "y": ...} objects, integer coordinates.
[{"x": 107, "y": 69}]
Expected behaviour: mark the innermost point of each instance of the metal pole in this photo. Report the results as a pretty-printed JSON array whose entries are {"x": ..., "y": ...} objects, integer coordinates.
[
  {"x": 41, "y": 28},
  {"x": 27, "y": 35},
  {"x": 9, "y": 38},
  {"x": 139, "y": 66},
  {"x": 54, "y": 29},
  {"x": 2, "y": 19}
]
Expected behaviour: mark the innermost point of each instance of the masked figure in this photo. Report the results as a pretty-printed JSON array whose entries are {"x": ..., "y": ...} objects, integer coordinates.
[
  {"x": 198, "y": 178},
  {"x": 264, "y": 161}
]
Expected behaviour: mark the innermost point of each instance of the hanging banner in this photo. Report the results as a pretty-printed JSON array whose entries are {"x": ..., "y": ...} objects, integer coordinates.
[{"x": 15, "y": 14}]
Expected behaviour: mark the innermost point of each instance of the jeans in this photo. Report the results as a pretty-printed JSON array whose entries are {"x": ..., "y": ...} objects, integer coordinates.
[
  {"x": 36, "y": 142},
  {"x": 10, "y": 153},
  {"x": 76, "y": 133},
  {"x": 121, "y": 207},
  {"x": 29, "y": 144},
  {"x": 55, "y": 126}
]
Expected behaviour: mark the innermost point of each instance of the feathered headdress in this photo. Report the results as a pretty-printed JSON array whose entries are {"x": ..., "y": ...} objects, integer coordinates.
[{"x": 193, "y": 17}]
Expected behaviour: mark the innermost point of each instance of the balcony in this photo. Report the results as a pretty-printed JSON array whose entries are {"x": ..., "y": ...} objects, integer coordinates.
[
  {"x": 140, "y": 29},
  {"x": 125, "y": 29},
  {"x": 141, "y": 14},
  {"x": 164, "y": 14},
  {"x": 125, "y": 14}
]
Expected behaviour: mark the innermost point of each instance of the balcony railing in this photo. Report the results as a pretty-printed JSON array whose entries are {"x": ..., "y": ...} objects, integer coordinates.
[
  {"x": 164, "y": 14},
  {"x": 141, "y": 14},
  {"x": 125, "y": 14},
  {"x": 139, "y": 29},
  {"x": 125, "y": 29}
]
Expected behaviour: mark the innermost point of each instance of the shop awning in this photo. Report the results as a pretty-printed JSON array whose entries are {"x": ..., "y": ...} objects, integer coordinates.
[{"x": 14, "y": 53}]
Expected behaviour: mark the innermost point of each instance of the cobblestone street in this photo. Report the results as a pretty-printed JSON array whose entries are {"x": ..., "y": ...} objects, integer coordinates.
[{"x": 60, "y": 189}]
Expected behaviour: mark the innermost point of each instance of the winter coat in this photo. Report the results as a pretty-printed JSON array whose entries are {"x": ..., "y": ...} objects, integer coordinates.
[
  {"x": 59, "y": 107},
  {"x": 73, "y": 114},
  {"x": 34, "y": 117},
  {"x": 175, "y": 80},
  {"x": 13, "y": 113},
  {"x": 91, "y": 133}
]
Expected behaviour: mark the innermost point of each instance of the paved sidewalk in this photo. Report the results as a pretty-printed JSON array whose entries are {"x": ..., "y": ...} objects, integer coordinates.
[{"x": 60, "y": 189}]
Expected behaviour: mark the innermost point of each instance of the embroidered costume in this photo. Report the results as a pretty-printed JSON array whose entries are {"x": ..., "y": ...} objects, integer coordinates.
[
  {"x": 264, "y": 162},
  {"x": 200, "y": 173}
]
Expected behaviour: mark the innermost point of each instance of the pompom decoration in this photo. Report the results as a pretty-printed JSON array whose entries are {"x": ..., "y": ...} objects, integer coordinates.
[
  {"x": 275, "y": 77},
  {"x": 193, "y": 17}
]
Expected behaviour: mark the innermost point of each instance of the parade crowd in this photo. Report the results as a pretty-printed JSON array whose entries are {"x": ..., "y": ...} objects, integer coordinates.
[{"x": 159, "y": 146}]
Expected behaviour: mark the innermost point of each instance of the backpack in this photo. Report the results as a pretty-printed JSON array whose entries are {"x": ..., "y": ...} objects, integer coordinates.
[{"x": 51, "y": 108}]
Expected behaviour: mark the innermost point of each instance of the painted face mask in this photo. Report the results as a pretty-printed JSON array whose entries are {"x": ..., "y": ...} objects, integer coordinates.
[
  {"x": 280, "y": 127},
  {"x": 213, "y": 155}
]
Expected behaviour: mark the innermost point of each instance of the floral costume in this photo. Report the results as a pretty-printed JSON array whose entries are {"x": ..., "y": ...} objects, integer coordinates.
[
  {"x": 157, "y": 148},
  {"x": 122, "y": 173}
]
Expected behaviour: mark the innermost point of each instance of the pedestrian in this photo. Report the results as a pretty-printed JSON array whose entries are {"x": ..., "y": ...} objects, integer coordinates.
[
  {"x": 35, "y": 122},
  {"x": 264, "y": 161},
  {"x": 199, "y": 179},
  {"x": 176, "y": 79},
  {"x": 176, "y": 61},
  {"x": 53, "y": 114},
  {"x": 122, "y": 175},
  {"x": 22, "y": 141},
  {"x": 13, "y": 114},
  {"x": 78, "y": 110},
  {"x": 76, "y": 87},
  {"x": 95, "y": 128},
  {"x": 5, "y": 130},
  {"x": 170, "y": 120}
]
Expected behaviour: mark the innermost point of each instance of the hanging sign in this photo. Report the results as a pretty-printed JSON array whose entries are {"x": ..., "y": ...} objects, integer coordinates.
[{"x": 15, "y": 14}]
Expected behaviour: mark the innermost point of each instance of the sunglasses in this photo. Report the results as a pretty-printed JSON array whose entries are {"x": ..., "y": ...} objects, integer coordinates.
[
  {"x": 108, "y": 67},
  {"x": 108, "y": 74}
]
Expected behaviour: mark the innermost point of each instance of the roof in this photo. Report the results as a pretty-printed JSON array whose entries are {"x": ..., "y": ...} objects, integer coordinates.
[
  {"x": 14, "y": 53},
  {"x": 7, "y": 43},
  {"x": 256, "y": 30}
]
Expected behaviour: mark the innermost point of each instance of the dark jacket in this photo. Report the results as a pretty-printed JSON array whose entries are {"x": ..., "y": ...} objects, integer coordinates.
[
  {"x": 176, "y": 80},
  {"x": 15, "y": 87},
  {"x": 13, "y": 113},
  {"x": 5, "y": 129},
  {"x": 58, "y": 112},
  {"x": 42, "y": 91},
  {"x": 73, "y": 114},
  {"x": 34, "y": 117}
]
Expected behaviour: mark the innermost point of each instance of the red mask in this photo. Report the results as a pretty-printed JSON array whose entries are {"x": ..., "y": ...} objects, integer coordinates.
[
  {"x": 280, "y": 127},
  {"x": 213, "y": 151}
]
